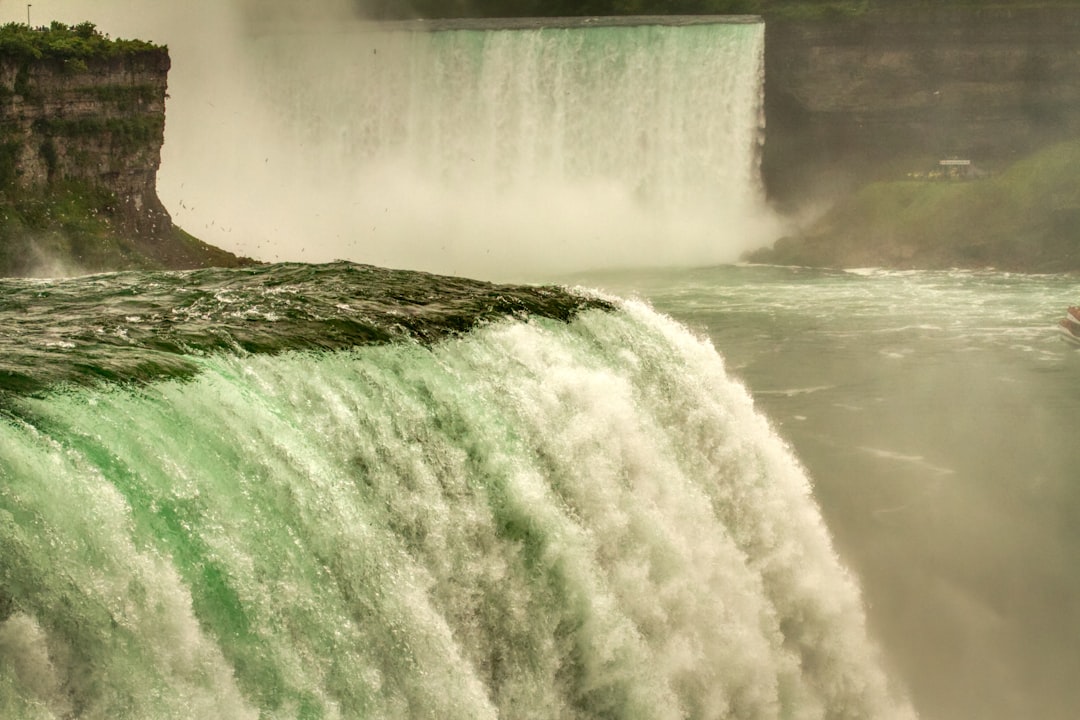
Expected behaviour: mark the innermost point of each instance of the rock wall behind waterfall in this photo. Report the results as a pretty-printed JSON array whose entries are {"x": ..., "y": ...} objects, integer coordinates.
[{"x": 890, "y": 92}]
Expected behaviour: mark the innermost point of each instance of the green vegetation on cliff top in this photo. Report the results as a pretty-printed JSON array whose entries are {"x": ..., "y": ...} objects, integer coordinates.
[
  {"x": 396, "y": 10},
  {"x": 1026, "y": 218},
  {"x": 77, "y": 42}
]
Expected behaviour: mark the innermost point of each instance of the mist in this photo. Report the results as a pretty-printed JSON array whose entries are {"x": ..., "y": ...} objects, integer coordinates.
[{"x": 303, "y": 132}]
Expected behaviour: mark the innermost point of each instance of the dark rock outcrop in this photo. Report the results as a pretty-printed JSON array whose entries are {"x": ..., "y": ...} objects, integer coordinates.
[
  {"x": 101, "y": 123},
  {"x": 82, "y": 123}
]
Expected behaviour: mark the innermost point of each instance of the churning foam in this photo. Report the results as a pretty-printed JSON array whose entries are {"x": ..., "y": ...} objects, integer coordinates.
[{"x": 556, "y": 520}]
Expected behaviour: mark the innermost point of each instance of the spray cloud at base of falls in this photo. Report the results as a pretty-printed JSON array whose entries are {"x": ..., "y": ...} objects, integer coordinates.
[
  {"x": 492, "y": 153},
  {"x": 515, "y": 154}
]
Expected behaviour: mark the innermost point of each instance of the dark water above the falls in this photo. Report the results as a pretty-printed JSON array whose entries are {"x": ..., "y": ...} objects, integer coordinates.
[{"x": 141, "y": 326}]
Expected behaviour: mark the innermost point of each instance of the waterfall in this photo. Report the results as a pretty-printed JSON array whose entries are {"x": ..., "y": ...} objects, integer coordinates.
[
  {"x": 489, "y": 151},
  {"x": 537, "y": 519}
]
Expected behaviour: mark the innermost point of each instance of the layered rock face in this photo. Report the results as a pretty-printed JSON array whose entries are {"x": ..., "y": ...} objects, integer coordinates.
[
  {"x": 849, "y": 100},
  {"x": 99, "y": 121}
]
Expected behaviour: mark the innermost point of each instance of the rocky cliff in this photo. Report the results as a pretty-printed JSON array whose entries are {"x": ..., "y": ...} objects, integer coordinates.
[
  {"x": 891, "y": 91},
  {"x": 82, "y": 123},
  {"x": 101, "y": 123}
]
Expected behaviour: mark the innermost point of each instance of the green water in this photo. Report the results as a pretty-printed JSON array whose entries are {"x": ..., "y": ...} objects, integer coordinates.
[
  {"x": 336, "y": 491},
  {"x": 555, "y": 508}
]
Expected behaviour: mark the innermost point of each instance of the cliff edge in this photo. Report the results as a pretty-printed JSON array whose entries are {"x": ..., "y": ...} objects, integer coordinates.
[{"x": 82, "y": 122}]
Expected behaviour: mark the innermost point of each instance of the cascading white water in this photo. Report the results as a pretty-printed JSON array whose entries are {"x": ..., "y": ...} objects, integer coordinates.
[
  {"x": 537, "y": 519},
  {"x": 503, "y": 153}
]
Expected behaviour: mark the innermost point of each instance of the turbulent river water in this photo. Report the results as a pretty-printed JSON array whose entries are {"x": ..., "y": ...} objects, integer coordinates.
[{"x": 338, "y": 491}]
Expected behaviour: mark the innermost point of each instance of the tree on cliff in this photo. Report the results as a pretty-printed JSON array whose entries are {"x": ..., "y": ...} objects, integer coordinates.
[{"x": 82, "y": 41}]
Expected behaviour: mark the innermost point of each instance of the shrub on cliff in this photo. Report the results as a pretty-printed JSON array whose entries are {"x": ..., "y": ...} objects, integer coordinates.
[{"x": 75, "y": 42}]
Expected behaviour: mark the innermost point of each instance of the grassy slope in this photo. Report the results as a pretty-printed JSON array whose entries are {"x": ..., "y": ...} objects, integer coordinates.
[{"x": 1026, "y": 218}]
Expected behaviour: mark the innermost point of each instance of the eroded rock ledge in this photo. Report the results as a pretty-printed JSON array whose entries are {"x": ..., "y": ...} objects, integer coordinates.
[{"x": 82, "y": 123}]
